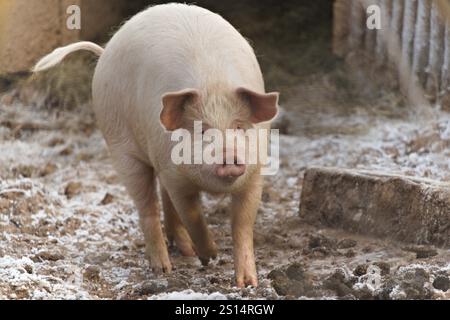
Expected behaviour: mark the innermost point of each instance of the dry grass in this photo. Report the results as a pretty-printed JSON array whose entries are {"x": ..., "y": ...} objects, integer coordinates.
[{"x": 66, "y": 86}]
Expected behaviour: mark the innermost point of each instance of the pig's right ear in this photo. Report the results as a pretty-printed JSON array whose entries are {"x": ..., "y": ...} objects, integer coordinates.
[
  {"x": 263, "y": 106},
  {"x": 173, "y": 107}
]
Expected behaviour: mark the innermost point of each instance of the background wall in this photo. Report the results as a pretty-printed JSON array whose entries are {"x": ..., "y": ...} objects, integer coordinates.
[
  {"x": 32, "y": 28},
  {"x": 28, "y": 29},
  {"x": 291, "y": 38}
]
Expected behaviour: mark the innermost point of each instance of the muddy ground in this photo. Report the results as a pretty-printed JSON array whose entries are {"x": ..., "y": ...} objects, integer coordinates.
[{"x": 70, "y": 231}]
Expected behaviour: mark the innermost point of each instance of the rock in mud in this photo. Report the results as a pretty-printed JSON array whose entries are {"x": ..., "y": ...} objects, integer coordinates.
[
  {"x": 385, "y": 268},
  {"x": 276, "y": 274},
  {"x": 66, "y": 151},
  {"x": 157, "y": 286},
  {"x": 25, "y": 171},
  {"x": 48, "y": 170},
  {"x": 320, "y": 246},
  {"x": 107, "y": 199},
  {"x": 339, "y": 283},
  {"x": 47, "y": 256},
  {"x": 152, "y": 287},
  {"x": 5, "y": 205},
  {"x": 346, "y": 244},
  {"x": 364, "y": 293},
  {"x": 388, "y": 285},
  {"x": 296, "y": 271},
  {"x": 360, "y": 270},
  {"x": 319, "y": 240},
  {"x": 92, "y": 273},
  {"x": 413, "y": 284},
  {"x": 96, "y": 258},
  {"x": 350, "y": 253},
  {"x": 73, "y": 189},
  {"x": 294, "y": 281},
  {"x": 442, "y": 282},
  {"x": 56, "y": 142},
  {"x": 28, "y": 268},
  {"x": 422, "y": 252},
  {"x": 384, "y": 205}
]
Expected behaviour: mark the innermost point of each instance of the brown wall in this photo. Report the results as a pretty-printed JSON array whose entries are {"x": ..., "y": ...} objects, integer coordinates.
[
  {"x": 99, "y": 16},
  {"x": 30, "y": 29}
]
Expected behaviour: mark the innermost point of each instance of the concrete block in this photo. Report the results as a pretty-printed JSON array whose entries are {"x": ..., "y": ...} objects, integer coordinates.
[{"x": 380, "y": 204}]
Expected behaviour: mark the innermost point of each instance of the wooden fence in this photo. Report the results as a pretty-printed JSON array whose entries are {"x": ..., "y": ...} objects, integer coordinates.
[{"x": 414, "y": 38}]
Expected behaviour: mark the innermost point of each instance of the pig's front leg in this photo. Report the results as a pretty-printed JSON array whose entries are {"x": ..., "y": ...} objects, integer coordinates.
[
  {"x": 140, "y": 181},
  {"x": 244, "y": 207}
]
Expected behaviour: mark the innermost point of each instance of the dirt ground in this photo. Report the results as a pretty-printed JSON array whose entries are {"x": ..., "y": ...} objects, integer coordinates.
[{"x": 70, "y": 231}]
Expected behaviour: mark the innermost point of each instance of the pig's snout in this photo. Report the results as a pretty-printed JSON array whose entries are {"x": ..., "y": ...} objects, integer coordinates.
[{"x": 232, "y": 169}]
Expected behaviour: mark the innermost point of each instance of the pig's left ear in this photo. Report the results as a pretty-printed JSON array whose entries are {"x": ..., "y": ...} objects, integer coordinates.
[
  {"x": 173, "y": 107},
  {"x": 263, "y": 106}
]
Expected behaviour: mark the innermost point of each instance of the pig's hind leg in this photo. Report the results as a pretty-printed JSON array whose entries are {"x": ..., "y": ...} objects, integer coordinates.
[
  {"x": 190, "y": 210},
  {"x": 140, "y": 181},
  {"x": 186, "y": 201},
  {"x": 175, "y": 229}
]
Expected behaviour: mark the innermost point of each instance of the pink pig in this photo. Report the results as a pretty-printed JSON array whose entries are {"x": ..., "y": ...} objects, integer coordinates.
[{"x": 167, "y": 67}]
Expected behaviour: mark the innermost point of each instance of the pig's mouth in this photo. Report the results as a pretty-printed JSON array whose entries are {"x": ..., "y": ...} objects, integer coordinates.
[{"x": 230, "y": 171}]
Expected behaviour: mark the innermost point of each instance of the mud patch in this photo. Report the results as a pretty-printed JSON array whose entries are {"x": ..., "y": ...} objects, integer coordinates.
[{"x": 69, "y": 230}]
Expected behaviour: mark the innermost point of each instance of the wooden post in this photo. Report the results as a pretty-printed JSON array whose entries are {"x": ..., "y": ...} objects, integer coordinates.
[
  {"x": 446, "y": 63},
  {"x": 370, "y": 39},
  {"x": 370, "y": 35},
  {"x": 341, "y": 26},
  {"x": 421, "y": 40},
  {"x": 381, "y": 45},
  {"x": 357, "y": 25},
  {"x": 436, "y": 54},
  {"x": 444, "y": 9},
  {"x": 396, "y": 25},
  {"x": 409, "y": 20}
]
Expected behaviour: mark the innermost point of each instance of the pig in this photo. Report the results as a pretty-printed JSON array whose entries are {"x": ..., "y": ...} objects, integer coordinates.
[{"x": 166, "y": 67}]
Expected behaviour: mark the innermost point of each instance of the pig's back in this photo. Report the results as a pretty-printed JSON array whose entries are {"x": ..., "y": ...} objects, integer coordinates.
[
  {"x": 185, "y": 43},
  {"x": 163, "y": 49}
]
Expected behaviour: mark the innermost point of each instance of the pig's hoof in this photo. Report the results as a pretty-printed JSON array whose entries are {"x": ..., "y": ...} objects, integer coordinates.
[
  {"x": 242, "y": 282},
  {"x": 160, "y": 267},
  {"x": 204, "y": 261},
  {"x": 160, "y": 262},
  {"x": 211, "y": 253}
]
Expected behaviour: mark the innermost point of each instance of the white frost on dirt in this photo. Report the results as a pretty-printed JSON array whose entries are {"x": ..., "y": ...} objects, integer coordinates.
[
  {"x": 15, "y": 272},
  {"x": 189, "y": 295},
  {"x": 40, "y": 217}
]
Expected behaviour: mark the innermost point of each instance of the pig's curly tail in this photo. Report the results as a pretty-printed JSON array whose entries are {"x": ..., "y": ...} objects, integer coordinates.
[{"x": 59, "y": 54}]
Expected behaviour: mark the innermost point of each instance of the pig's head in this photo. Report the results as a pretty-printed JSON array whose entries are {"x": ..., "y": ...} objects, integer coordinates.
[{"x": 238, "y": 109}]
